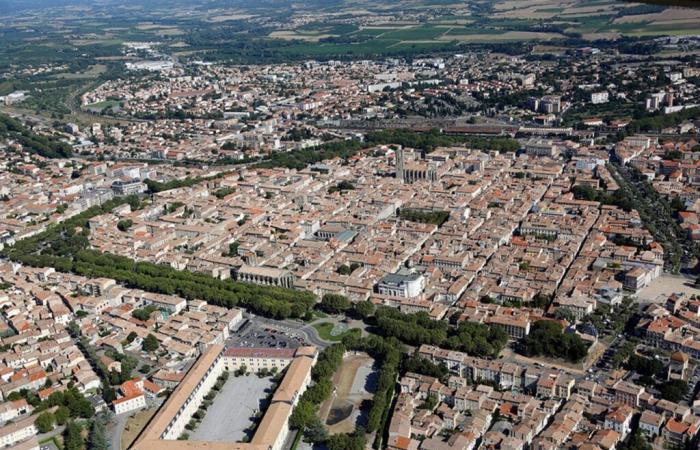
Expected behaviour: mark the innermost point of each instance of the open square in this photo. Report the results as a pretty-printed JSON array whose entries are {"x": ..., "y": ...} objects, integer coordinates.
[{"x": 229, "y": 417}]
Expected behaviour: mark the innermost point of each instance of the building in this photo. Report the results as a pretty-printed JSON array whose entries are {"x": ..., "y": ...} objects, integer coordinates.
[
  {"x": 255, "y": 359},
  {"x": 650, "y": 423},
  {"x": 267, "y": 276},
  {"x": 169, "y": 422},
  {"x": 516, "y": 327},
  {"x": 598, "y": 98},
  {"x": 414, "y": 171},
  {"x": 401, "y": 285},
  {"x": 122, "y": 187},
  {"x": 541, "y": 147},
  {"x": 15, "y": 432},
  {"x": 627, "y": 393}
]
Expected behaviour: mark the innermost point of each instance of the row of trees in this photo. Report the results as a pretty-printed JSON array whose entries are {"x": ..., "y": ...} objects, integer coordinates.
[
  {"x": 305, "y": 415},
  {"x": 433, "y": 139},
  {"x": 158, "y": 186},
  {"x": 588, "y": 193},
  {"x": 419, "y": 328},
  {"x": 387, "y": 351}
]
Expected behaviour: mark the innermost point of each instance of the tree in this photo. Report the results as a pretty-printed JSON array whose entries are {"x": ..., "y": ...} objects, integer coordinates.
[
  {"x": 334, "y": 304},
  {"x": 62, "y": 415},
  {"x": 109, "y": 394},
  {"x": 44, "y": 422},
  {"x": 124, "y": 224},
  {"x": 546, "y": 338},
  {"x": 72, "y": 438},
  {"x": 364, "y": 309},
  {"x": 304, "y": 413},
  {"x": 420, "y": 365},
  {"x": 150, "y": 344},
  {"x": 130, "y": 338},
  {"x": 97, "y": 439},
  {"x": 673, "y": 390},
  {"x": 315, "y": 432},
  {"x": 636, "y": 442}
]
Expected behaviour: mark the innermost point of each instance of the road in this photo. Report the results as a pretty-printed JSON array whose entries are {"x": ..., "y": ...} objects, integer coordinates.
[{"x": 116, "y": 428}]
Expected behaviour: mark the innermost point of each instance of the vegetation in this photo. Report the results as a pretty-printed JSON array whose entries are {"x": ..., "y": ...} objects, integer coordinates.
[
  {"x": 124, "y": 224},
  {"x": 416, "y": 329},
  {"x": 144, "y": 314},
  {"x": 306, "y": 411},
  {"x": 422, "y": 216},
  {"x": 618, "y": 198},
  {"x": 299, "y": 159},
  {"x": 97, "y": 439},
  {"x": 546, "y": 339},
  {"x": 363, "y": 309},
  {"x": 150, "y": 344},
  {"x": 417, "y": 364},
  {"x": 72, "y": 437},
  {"x": 70, "y": 401},
  {"x": 223, "y": 192},
  {"x": 334, "y": 304},
  {"x": 158, "y": 186},
  {"x": 673, "y": 390},
  {"x": 388, "y": 352},
  {"x": 658, "y": 216},
  {"x": 341, "y": 187},
  {"x": 659, "y": 121},
  {"x": 648, "y": 368},
  {"x": 46, "y": 146},
  {"x": 433, "y": 139},
  {"x": 325, "y": 332},
  {"x": 44, "y": 422}
]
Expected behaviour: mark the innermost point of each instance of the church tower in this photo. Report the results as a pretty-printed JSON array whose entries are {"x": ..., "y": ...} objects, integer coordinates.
[{"x": 399, "y": 164}]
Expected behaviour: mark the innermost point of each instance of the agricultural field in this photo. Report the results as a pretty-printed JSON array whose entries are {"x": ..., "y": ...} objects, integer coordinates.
[{"x": 270, "y": 31}]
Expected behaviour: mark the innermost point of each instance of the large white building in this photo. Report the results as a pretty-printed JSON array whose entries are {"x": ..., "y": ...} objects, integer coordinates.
[{"x": 402, "y": 285}]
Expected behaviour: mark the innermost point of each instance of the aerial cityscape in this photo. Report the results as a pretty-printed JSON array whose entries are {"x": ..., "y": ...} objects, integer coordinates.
[{"x": 349, "y": 225}]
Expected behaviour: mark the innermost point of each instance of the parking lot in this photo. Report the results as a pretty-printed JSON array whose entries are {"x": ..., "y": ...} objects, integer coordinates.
[
  {"x": 229, "y": 417},
  {"x": 257, "y": 334}
]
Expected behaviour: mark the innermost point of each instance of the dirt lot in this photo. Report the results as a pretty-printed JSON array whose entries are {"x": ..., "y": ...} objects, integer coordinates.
[
  {"x": 134, "y": 426},
  {"x": 351, "y": 383}
]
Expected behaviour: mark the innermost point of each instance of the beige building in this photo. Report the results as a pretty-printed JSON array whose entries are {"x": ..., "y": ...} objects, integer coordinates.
[{"x": 169, "y": 423}]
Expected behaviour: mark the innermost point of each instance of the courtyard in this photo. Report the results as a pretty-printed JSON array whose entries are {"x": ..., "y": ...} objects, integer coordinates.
[{"x": 230, "y": 417}]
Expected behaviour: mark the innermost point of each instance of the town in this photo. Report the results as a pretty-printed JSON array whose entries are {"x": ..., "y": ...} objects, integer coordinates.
[{"x": 444, "y": 250}]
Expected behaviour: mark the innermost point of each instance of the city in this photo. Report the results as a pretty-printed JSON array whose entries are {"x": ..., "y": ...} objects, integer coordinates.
[{"x": 281, "y": 226}]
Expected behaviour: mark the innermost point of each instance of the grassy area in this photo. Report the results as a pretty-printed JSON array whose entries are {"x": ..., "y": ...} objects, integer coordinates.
[
  {"x": 104, "y": 105},
  {"x": 325, "y": 331},
  {"x": 315, "y": 315},
  {"x": 134, "y": 425}
]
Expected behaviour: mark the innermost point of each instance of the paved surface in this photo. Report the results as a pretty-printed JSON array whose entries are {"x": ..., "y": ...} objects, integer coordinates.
[
  {"x": 115, "y": 430},
  {"x": 666, "y": 285},
  {"x": 229, "y": 416}
]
